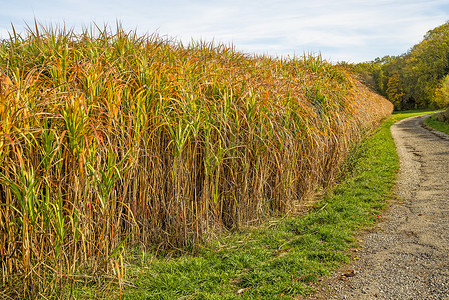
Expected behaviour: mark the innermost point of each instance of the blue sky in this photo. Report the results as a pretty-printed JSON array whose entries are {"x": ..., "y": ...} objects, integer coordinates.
[{"x": 346, "y": 30}]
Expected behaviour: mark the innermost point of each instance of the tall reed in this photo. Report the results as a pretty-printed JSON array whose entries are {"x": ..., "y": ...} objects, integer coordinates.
[{"x": 110, "y": 139}]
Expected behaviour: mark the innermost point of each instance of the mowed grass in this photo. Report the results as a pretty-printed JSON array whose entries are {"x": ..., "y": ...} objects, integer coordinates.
[
  {"x": 280, "y": 259},
  {"x": 435, "y": 123}
]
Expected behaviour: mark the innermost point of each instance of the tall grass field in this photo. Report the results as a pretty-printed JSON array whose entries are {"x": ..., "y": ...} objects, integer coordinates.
[{"x": 111, "y": 140}]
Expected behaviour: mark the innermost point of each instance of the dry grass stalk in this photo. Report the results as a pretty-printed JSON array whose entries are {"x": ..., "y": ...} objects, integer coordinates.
[{"x": 111, "y": 137}]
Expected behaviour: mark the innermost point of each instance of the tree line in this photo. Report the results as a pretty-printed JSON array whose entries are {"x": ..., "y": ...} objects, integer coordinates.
[{"x": 418, "y": 78}]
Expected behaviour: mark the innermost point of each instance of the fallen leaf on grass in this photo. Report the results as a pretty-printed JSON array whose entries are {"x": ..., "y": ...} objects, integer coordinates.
[
  {"x": 241, "y": 291},
  {"x": 283, "y": 250},
  {"x": 299, "y": 278}
]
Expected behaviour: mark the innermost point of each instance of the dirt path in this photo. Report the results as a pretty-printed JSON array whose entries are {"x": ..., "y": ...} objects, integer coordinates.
[{"x": 407, "y": 257}]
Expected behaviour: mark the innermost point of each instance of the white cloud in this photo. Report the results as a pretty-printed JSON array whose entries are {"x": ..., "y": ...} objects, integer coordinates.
[{"x": 352, "y": 30}]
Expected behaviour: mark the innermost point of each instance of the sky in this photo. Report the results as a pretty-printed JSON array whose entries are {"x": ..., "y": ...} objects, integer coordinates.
[{"x": 340, "y": 30}]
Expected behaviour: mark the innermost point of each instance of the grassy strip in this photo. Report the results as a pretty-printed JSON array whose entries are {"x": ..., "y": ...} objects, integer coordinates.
[
  {"x": 280, "y": 259},
  {"x": 436, "y": 124}
]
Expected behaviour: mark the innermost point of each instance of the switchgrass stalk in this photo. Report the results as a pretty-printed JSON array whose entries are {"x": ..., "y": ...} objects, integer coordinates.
[{"x": 108, "y": 136}]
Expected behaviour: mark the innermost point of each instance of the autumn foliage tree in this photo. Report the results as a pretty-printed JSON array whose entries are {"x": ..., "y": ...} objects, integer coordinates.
[
  {"x": 442, "y": 92},
  {"x": 395, "y": 92},
  {"x": 415, "y": 79}
]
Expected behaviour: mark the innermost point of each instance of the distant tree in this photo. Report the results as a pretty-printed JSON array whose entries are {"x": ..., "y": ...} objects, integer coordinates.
[
  {"x": 395, "y": 92},
  {"x": 373, "y": 74},
  {"x": 441, "y": 96},
  {"x": 426, "y": 65},
  {"x": 416, "y": 78}
]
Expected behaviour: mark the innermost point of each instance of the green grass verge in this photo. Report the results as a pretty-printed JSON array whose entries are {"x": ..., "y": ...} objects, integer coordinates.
[
  {"x": 280, "y": 259},
  {"x": 433, "y": 122}
]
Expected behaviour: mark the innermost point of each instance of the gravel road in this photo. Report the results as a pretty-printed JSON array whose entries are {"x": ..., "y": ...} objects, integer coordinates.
[{"x": 407, "y": 256}]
